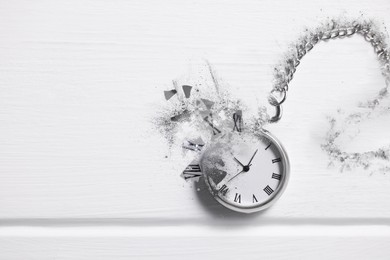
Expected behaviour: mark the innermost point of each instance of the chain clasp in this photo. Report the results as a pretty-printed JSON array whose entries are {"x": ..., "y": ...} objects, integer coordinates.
[{"x": 277, "y": 104}]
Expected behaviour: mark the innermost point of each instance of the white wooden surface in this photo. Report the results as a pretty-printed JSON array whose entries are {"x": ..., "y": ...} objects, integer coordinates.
[{"x": 83, "y": 175}]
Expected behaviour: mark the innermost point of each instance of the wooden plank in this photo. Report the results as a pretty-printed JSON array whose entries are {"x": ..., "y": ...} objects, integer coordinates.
[
  {"x": 280, "y": 247},
  {"x": 80, "y": 83}
]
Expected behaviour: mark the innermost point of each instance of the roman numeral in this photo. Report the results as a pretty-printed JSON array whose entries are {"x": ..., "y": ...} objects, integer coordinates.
[
  {"x": 254, "y": 199},
  {"x": 191, "y": 171},
  {"x": 215, "y": 130},
  {"x": 276, "y": 176},
  {"x": 268, "y": 146},
  {"x": 237, "y": 119},
  {"x": 268, "y": 190},
  {"x": 237, "y": 198},
  {"x": 193, "y": 168},
  {"x": 193, "y": 146},
  {"x": 276, "y": 160},
  {"x": 224, "y": 189}
]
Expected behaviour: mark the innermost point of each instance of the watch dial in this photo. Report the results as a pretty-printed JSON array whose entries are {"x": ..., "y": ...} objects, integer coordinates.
[{"x": 245, "y": 171}]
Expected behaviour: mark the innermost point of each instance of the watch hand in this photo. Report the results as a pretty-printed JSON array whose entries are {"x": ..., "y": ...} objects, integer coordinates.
[
  {"x": 234, "y": 176},
  {"x": 238, "y": 161},
  {"x": 243, "y": 170},
  {"x": 252, "y": 157}
]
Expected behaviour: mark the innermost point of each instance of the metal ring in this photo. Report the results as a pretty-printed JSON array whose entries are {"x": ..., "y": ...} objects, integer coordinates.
[
  {"x": 274, "y": 101},
  {"x": 342, "y": 32},
  {"x": 350, "y": 31},
  {"x": 278, "y": 112}
]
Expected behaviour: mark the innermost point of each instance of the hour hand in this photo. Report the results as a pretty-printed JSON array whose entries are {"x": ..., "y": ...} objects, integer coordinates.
[{"x": 238, "y": 162}]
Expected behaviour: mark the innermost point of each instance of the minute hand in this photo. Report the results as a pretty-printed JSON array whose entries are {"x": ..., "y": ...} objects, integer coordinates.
[{"x": 252, "y": 157}]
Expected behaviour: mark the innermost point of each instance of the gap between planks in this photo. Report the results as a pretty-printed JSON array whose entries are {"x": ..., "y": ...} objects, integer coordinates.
[
  {"x": 196, "y": 231},
  {"x": 236, "y": 222}
]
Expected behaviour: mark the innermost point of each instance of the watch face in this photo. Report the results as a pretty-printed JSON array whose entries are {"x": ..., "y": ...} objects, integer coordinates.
[{"x": 246, "y": 173}]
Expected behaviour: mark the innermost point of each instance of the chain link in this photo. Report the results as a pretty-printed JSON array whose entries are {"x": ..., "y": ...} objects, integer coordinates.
[{"x": 286, "y": 75}]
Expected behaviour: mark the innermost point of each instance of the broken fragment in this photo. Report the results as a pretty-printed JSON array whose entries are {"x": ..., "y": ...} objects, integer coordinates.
[
  {"x": 237, "y": 118},
  {"x": 195, "y": 145},
  {"x": 192, "y": 171},
  {"x": 209, "y": 104},
  {"x": 170, "y": 93},
  {"x": 185, "y": 115},
  {"x": 209, "y": 121},
  {"x": 187, "y": 90}
]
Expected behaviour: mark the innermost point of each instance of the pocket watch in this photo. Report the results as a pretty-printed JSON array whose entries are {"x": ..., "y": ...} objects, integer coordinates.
[
  {"x": 248, "y": 172},
  {"x": 245, "y": 172}
]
